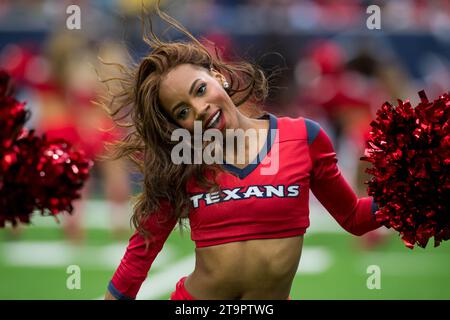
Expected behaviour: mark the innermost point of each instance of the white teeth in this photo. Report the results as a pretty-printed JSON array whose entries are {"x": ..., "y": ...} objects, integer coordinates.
[{"x": 213, "y": 120}]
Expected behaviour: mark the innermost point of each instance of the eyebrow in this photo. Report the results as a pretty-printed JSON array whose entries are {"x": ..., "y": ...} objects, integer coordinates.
[{"x": 190, "y": 93}]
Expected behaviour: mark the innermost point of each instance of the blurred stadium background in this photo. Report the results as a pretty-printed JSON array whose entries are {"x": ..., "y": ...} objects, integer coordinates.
[{"x": 333, "y": 70}]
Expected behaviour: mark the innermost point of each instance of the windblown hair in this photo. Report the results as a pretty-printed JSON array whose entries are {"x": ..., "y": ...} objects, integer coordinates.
[{"x": 148, "y": 141}]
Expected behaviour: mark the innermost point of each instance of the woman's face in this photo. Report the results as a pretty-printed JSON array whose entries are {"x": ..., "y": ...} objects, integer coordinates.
[{"x": 191, "y": 93}]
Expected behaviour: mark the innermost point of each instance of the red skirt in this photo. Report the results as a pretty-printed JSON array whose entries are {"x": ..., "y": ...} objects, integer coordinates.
[{"x": 180, "y": 292}]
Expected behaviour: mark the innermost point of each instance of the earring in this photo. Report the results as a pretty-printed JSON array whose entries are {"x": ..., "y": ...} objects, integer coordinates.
[{"x": 226, "y": 85}]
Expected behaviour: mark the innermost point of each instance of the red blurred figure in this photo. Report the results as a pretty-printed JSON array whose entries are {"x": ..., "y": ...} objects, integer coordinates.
[{"x": 64, "y": 85}]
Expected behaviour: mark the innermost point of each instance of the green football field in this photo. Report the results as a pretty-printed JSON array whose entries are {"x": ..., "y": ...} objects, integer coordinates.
[{"x": 39, "y": 264}]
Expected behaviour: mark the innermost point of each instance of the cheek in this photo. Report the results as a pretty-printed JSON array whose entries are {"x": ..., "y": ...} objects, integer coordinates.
[{"x": 220, "y": 97}]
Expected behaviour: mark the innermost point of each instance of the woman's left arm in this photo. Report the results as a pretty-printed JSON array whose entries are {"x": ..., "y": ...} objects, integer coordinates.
[{"x": 355, "y": 215}]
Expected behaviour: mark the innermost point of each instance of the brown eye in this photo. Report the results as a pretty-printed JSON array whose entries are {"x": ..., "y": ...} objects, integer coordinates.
[
  {"x": 201, "y": 90},
  {"x": 183, "y": 113}
]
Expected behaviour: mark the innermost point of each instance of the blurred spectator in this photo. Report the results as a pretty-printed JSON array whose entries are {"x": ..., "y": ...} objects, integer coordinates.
[{"x": 66, "y": 111}]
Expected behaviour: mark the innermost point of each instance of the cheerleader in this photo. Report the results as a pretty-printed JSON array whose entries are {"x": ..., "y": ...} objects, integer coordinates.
[{"x": 248, "y": 220}]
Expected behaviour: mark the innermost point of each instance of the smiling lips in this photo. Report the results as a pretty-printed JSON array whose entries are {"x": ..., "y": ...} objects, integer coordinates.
[{"x": 215, "y": 121}]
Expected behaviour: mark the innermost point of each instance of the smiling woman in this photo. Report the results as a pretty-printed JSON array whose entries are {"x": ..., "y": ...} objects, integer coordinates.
[
  {"x": 205, "y": 100},
  {"x": 173, "y": 86},
  {"x": 247, "y": 221}
]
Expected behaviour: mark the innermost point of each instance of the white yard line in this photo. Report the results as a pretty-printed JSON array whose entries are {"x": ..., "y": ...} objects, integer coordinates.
[
  {"x": 61, "y": 254},
  {"x": 404, "y": 263},
  {"x": 164, "y": 274},
  {"x": 164, "y": 281},
  {"x": 314, "y": 260},
  {"x": 96, "y": 214}
]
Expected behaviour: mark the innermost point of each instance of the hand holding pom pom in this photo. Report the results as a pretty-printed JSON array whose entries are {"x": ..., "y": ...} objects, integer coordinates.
[{"x": 409, "y": 149}]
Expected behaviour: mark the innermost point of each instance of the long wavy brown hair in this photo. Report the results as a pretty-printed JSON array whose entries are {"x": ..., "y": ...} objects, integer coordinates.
[{"x": 148, "y": 144}]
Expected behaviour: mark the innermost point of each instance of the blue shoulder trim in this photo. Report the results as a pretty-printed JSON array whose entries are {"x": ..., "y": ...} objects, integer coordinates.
[
  {"x": 312, "y": 130},
  {"x": 116, "y": 293}
]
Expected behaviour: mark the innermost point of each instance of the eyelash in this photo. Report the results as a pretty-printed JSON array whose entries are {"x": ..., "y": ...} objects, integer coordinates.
[
  {"x": 198, "y": 93},
  {"x": 179, "y": 115},
  {"x": 203, "y": 85}
]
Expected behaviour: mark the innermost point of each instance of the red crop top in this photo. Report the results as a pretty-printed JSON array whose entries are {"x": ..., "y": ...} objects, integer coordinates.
[{"x": 266, "y": 199}]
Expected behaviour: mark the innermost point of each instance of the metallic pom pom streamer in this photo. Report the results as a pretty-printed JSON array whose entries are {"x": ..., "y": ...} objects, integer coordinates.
[{"x": 409, "y": 149}]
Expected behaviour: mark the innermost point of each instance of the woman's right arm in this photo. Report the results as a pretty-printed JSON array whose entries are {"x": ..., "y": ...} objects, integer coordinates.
[{"x": 138, "y": 259}]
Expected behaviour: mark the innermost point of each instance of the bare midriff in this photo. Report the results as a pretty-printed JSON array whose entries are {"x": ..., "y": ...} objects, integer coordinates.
[{"x": 254, "y": 269}]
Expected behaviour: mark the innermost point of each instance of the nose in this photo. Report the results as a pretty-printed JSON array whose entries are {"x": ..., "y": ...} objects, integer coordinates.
[{"x": 202, "y": 112}]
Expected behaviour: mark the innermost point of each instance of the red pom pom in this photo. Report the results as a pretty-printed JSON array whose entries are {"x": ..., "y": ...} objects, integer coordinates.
[
  {"x": 12, "y": 114},
  {"x": 409, "y": 149},
  {"x": 17, "y": 202},
  {"x": 61, "y": 173},
  {"x": 34, "y": 173},
  {"x": 47, "y": 175}
]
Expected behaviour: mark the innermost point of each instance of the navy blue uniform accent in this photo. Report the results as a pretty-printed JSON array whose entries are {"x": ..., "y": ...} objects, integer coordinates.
[
  {"x": 312, "y": 129},
  {"x": 116, "y": 293}
]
